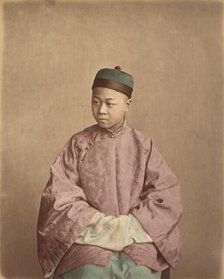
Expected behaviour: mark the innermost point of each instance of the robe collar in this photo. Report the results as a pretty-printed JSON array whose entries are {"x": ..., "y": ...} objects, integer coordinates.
[{"x": 118, "y": 131}]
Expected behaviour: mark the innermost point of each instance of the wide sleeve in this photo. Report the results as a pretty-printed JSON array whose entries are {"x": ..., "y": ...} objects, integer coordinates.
[
  {"x": 159, "y": 206},
  {"x": 64, "y": 210},
  {"x": 113, "y": 233}
]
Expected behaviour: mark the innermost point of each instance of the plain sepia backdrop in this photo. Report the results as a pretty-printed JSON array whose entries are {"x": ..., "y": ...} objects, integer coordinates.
[{"x": 50, "y": 53}]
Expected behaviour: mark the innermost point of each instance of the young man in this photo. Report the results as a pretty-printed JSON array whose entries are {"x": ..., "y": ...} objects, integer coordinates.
[{"x": 111, "y": 206}]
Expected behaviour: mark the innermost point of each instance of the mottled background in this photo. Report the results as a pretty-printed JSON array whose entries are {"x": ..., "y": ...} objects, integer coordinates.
[{"x": 51, "y": 51}]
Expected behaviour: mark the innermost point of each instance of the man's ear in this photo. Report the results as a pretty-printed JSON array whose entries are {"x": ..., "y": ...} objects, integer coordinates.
[{"x": 128, "y": 104}]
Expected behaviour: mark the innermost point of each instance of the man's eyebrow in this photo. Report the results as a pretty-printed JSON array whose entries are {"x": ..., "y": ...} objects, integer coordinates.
[{"x": 107, "y": 99}]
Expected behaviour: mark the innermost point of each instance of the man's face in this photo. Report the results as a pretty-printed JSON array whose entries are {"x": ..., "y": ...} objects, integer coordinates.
[{"x": 109, "y": 107}]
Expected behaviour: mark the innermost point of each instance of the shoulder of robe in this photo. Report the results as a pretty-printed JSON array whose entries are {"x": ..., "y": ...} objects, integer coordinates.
[
  {"x": 84, "y": 133},
  {"x": 141, "y": 139}
]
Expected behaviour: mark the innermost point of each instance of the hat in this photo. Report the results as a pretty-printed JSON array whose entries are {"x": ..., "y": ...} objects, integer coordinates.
[{"x": 114, "y": 79}]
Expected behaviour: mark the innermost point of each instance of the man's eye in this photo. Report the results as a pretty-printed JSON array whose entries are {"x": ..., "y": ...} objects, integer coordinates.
[
  {"x": 110, "y": 104},
  {"x": 95, "y": 102}
]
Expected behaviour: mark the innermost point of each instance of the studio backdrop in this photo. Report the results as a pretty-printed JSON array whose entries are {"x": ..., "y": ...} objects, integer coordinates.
[{"x": 51, "y": 52}]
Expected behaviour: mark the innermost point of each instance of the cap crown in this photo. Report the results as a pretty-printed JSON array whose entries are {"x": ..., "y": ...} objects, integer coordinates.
[{"x": 114, "y": 79}]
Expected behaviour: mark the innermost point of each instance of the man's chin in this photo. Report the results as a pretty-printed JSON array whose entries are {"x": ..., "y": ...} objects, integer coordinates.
[{"x": 103, "y": 125}]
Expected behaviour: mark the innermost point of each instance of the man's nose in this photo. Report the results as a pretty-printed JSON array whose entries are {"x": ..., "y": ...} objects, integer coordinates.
[{"x": 103, "y": 108}]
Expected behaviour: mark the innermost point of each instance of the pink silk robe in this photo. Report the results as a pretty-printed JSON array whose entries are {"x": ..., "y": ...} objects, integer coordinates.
[{"x": 117, "y": 174}]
